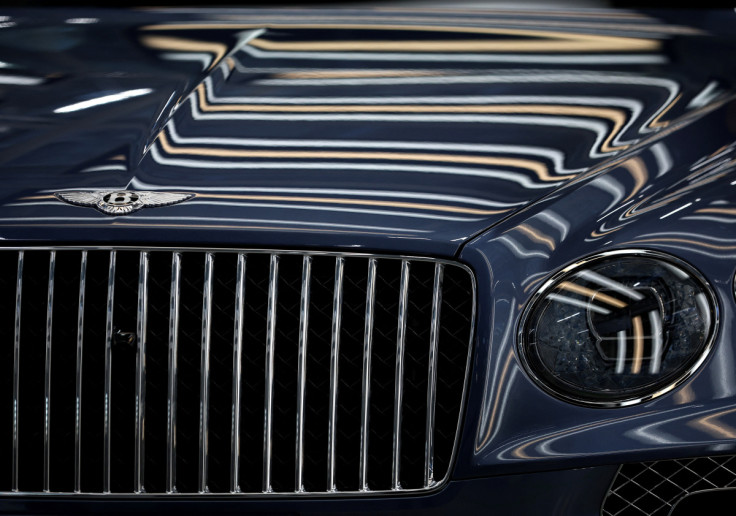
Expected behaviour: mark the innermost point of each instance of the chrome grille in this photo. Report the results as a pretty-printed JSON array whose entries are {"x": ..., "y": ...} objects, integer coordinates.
[
  {"x": 653, "y": 488},
  {"x": 224, "y": 371}
]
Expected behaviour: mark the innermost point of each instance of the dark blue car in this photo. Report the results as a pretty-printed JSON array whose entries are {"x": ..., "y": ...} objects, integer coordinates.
[{"x": 357, "y": 261}]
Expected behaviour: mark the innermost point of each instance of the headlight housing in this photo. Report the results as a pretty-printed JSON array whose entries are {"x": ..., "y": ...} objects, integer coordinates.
[{"x": 618, "y": 328}]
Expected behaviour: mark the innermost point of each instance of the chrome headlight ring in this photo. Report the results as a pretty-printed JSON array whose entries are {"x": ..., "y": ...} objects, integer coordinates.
[{"x": 618, "y": 328}]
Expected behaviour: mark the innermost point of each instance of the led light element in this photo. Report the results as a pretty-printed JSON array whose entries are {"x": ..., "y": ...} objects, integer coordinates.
[{"x": 618, "y": 328}]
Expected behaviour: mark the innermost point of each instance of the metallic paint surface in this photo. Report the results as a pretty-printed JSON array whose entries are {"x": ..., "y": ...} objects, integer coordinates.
[
  {"x": 305, "y": 124},
  {"x": 519, "y": 142},
  {"x": 685, "y": 210}
]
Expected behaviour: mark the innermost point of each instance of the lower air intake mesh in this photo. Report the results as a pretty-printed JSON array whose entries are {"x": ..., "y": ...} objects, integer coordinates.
[
  {"x": 232, "y": 372},
  {"x": 653, "y": 488}
]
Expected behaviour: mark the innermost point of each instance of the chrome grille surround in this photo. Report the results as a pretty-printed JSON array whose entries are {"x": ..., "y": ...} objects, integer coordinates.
[{"x": 112, "y": 339}]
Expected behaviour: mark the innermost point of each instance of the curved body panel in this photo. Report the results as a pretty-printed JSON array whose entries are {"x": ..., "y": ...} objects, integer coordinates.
[
  {"x": 684, "y": 211},
  {"x": 513, "y": 141},
  {"x": 319, "y": 131}
]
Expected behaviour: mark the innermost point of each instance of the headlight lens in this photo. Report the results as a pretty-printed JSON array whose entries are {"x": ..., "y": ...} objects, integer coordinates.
[{"x": 619, "y": 328}]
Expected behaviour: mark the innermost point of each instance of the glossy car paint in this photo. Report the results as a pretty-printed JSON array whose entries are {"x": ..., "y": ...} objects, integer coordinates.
[
  {"x": 682, "y": 210},
  {"x": 519, "y": 142}
]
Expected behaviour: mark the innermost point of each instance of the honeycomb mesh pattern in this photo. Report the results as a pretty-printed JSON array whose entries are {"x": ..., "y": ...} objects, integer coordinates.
[
  {"x": 653, "y": 488},
  {"x": 120, "y": 347}
]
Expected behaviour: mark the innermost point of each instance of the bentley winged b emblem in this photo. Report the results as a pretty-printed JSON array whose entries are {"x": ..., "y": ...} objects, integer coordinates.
[{"x": 122, "y": 202}]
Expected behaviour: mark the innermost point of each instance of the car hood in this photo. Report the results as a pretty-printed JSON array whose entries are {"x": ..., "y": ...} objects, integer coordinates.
[{"x": 382, "y": 130}]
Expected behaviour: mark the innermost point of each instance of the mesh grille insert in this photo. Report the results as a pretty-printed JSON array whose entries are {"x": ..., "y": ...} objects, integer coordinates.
[{"x": 653, "y": 488}]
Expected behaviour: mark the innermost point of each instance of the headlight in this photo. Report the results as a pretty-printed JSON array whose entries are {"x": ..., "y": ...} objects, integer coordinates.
[{"x": 618, "y": 328}]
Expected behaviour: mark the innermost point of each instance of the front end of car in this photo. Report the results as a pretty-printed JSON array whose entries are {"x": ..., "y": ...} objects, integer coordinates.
[{"x": 400, "y": 261}]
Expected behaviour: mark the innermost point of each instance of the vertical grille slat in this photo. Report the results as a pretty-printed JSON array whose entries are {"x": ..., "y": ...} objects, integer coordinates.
[
  {"x": 204, "y": 390},
  {"x": 237, "y": 374},
  {"x": 432, "y": 374},
  {"x": 273, "y": 277},
  {"x": 399, "y": 376},
  {"x": 366, "y": 387},
  {"x": 140, "y": 374},
  {"x": 302, "y": 372},
  {"x": 174, "y": 300},
  {"x": 334, "y": 355},
  {"x": 16, "y": 368},
  {"x": 312, "y": 373},
  {"x": 47, "y": 376},
  {"x": 108, "y": 373},
  {"x": 80, "y": 355}
]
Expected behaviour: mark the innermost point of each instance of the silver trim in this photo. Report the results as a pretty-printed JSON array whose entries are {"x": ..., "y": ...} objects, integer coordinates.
[
  {"x": 273, "y": 277},
  {"x": 47, "y": 377},
  {"x": 173, "y": 372},
  {"x": 399, "y": 377},
  {"x": 222, "y": 495},
  {"x": 302, "y": 373},
  {"x": 237, "y": 374},
  {"x": 334, "y": 357},
  {"x": 281, "y": 252},
  {"x": 108, "y": 371},
  {"x": 204, "y": 375},
  {"x": 253, "y": 495},
  {"x": 80, "y": 349},
  {"x": 432, "y": 374},
  {"x": 140, "y": 374},
  {"x": 16, "y": 368},
  {"x": 370, "y": 299},
  {"x": 627, "y": 402}
]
